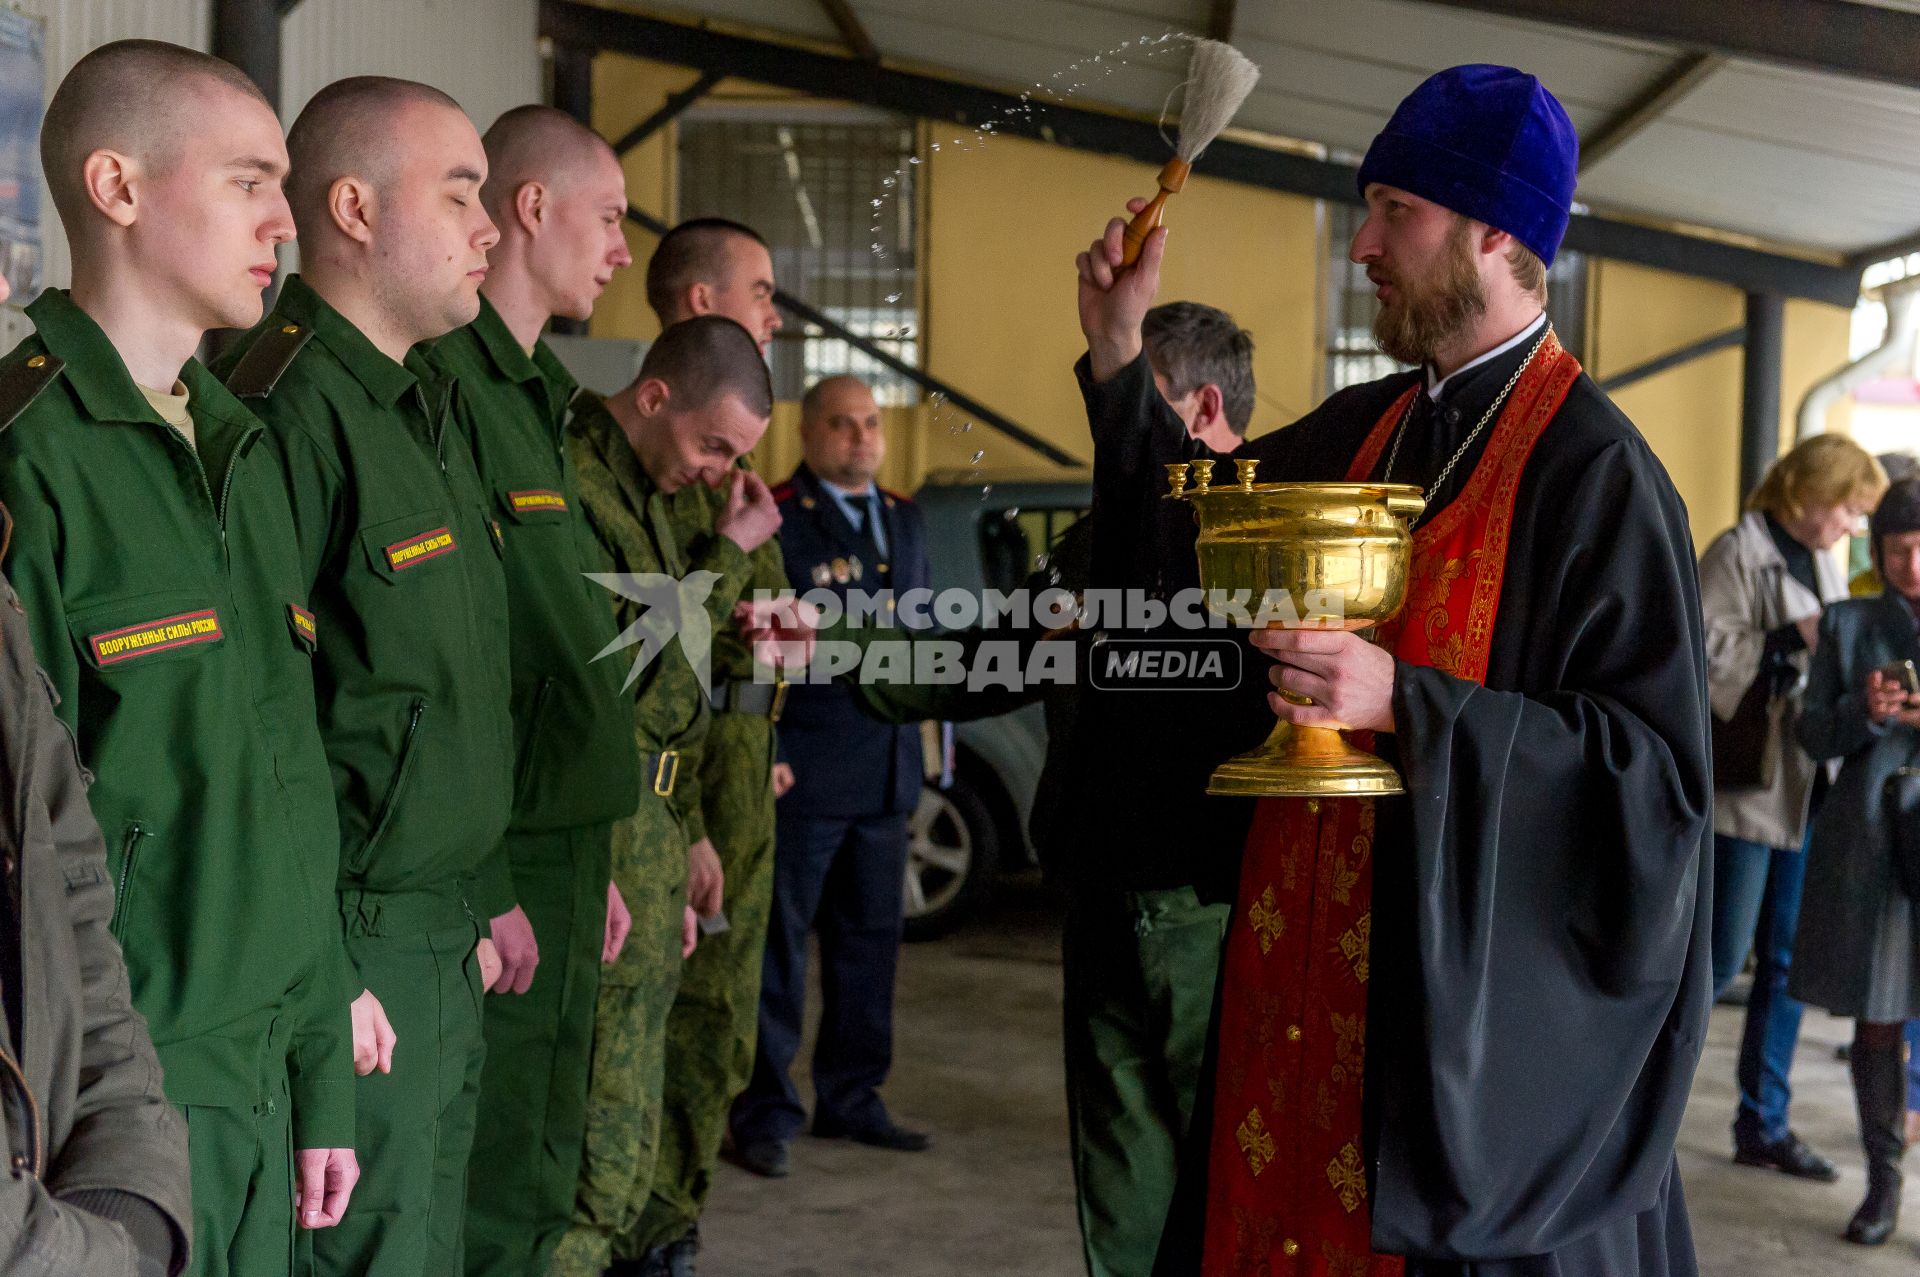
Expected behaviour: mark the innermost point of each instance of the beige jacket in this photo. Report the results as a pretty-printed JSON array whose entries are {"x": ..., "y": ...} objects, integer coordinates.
[{"x": 1745, "y": 591}]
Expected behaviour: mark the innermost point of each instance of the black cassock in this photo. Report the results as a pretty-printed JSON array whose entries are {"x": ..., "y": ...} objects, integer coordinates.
[{"x": 1542, "y": 896}]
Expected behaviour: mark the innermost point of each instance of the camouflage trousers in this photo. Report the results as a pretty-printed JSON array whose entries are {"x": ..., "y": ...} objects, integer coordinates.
[
  {"x": 629, "y": 1042},
  {"x": 710, "y": 1031}
]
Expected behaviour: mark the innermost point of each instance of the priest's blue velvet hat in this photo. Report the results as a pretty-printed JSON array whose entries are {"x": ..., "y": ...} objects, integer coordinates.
[{"x": 1488, "y": 142}]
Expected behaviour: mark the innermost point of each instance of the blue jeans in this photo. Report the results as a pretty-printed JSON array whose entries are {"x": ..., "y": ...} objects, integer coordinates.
[{"x": 1757, "y": 904}]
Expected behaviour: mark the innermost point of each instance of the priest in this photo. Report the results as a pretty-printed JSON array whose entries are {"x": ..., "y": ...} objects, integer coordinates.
[{"x": 1456, "y": 1028}]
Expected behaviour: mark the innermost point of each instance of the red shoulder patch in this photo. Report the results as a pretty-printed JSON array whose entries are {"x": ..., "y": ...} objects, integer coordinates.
[{"x": 783, "y": 491}]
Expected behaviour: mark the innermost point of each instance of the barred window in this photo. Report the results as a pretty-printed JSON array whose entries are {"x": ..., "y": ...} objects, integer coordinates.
[
  {"x": 1352, "y": 357},
  {"x": 807, "y": 178}
]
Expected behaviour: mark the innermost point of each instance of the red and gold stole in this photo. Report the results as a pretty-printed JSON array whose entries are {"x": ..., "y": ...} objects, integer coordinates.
[{"x": 1287, "y": 1184}]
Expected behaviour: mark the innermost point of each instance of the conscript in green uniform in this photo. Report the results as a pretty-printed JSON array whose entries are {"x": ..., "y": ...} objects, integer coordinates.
[
  {"x": 709, "y": 266},
  {"x": 409, "y": 608},
  {"x": 556, "y": 192},
  {"x": 702, "y": 400},
  {"x": 155, "y": 556}
]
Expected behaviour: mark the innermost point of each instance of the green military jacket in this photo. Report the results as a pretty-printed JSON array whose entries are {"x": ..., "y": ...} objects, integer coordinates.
[
  {"x": 575, "y": 758},
  {"x": 409, "y": 601},
  {"x": 164, "y": 592},
  {"x": 634, "y": 522}
]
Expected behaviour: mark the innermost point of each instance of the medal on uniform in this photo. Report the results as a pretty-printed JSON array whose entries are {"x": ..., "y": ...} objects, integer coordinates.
[
  {"x": 822, "y": 574},
  {"x": 853, "y": 566},
  {"x": 841, "y": 572}
]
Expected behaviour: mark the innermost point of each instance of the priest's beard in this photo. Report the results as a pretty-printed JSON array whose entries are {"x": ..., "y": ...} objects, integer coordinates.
[{"x": 1425, "y": 315}]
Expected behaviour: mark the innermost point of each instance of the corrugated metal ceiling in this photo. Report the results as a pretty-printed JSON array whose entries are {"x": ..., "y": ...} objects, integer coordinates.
[{"x": 1784, "y": 155}]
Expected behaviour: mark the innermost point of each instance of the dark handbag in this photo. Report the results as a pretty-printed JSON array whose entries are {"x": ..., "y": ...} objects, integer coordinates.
[
  {"x": 1902, "y": 795},
  {"x": 1740, "y": 743}
]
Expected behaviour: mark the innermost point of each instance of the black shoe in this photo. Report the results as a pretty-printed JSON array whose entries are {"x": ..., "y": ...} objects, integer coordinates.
[
  {"x": 680, "y": 1254},
  {"x": 763, "y": 1157},
  {"x": 1789, "y": 1156},
  {"x": 886, "y": 1135},
  {"x": 1879, "y": 1214}
]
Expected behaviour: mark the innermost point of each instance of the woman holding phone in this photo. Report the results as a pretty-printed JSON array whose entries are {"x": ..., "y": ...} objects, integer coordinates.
[
  {"x": 1763, "y": 584},
  {"x": 1860, "y": 940}
]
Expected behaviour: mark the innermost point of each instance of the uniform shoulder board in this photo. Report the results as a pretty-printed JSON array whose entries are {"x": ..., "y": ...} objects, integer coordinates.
[
  {"x": 260, "y": 369},
  {"x": 22, "y": 382}
]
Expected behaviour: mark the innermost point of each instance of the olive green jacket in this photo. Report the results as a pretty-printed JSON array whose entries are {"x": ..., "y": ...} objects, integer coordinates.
[
  {"x": 84, "y": 1119},
  {"x": 633, "y": 521},
  {"x": 162, "y": 586},
  {"x": 409, "y": 601},
  {"x": 576, "y": 763}
]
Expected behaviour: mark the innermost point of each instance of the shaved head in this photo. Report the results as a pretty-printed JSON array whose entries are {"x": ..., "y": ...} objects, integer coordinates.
[
  {"x": 134, "y": 97},
  {"x": 349, "y": 130},
  {"x": 539, "y": 144}
]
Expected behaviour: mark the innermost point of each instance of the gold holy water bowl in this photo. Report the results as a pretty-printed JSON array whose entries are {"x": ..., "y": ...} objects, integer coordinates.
[{"x": 1339, "y": 553}]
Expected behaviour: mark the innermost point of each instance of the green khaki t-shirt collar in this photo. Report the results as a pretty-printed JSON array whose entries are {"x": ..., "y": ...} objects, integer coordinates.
[
  {"x": 516, "y": 365},
  {"x": 100, "y": 378},
  {"x": 383, "y": 379}
]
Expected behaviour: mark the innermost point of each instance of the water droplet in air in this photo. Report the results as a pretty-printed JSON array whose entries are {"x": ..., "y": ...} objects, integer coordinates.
[
  {"x": 913, "y": 159},
  {"x": 965, "y": 426},
  {"x": 936, "y": 146},
  {"x": 879, "y": 248},
  {"x": 878, "y": 203},
  {"x": 986, "y": 490},
  {"x": 937, "y": 398},
  {"x": 977, "y": 455},
  {"x": 888, "y": 182}
]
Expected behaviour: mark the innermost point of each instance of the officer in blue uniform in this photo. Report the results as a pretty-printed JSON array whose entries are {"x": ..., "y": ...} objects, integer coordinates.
[{"x": 841, "y": 838}]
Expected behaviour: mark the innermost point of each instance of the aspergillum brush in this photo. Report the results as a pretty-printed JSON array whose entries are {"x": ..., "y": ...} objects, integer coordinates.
[{"x": 1219, "y": 78}]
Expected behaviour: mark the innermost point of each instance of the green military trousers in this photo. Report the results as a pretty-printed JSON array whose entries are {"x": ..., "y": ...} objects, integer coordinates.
[
  {"x": 533, "y": 1092},
  {"x": 1139, "y": 971},
  {"x": 710, "y": 1031},
  {"x": 413, "y": 1127},
  {"x": 629, "y": 1041},
  {"x": 242, "y": 1169}
]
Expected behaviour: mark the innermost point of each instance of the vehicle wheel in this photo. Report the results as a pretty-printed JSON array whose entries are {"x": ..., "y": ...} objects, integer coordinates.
[{"x": 952, "y": 850}]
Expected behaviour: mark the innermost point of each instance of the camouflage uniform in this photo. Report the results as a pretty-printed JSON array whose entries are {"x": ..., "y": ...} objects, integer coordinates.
[
  {"x": 710, "y": 1032},
  {"x": 671, "y": 716}
]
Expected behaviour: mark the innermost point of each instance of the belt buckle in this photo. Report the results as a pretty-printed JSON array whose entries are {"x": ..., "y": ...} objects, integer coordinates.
[
  {"x": 666, "y": 772},
  {"x": 779, "y": 700}
]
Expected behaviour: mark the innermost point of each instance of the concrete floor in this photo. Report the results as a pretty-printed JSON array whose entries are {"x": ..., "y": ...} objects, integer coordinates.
[{"x": 978, "y": 1066}]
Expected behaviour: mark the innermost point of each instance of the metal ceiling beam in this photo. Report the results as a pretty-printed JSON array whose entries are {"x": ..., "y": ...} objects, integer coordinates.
[
  {"x": 1902, "y": 247},
  {"x": 853, "y": 32},
  {"x": 1220, "y": 18},
  {"x": 930, "y": 97},
  {"x": 1665, "y": 93},
  {"x": 1836, "y": 36}
]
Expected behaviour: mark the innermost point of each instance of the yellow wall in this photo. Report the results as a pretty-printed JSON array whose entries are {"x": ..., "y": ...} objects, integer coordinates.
[
  {"x": 1002, "y": 222},
  {"x": 1691, "y": 414},
  {"x": 1003, "y": 225}
]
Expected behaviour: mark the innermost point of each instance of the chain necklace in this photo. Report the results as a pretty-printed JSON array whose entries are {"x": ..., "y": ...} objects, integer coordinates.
[{"x": 1400, "y": 431}]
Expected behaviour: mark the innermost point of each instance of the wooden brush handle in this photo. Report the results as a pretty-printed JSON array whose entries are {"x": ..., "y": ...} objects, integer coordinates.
[{"x": 1172, "y": 178}]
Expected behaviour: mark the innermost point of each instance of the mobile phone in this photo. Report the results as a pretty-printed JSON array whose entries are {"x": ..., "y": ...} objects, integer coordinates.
[{"x": 1903, "y": 673}]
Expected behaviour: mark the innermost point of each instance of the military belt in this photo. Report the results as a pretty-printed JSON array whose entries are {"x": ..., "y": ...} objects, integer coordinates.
[
  {"x": 745, "y": 696},
  {"x": 663, "y": 768}
]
